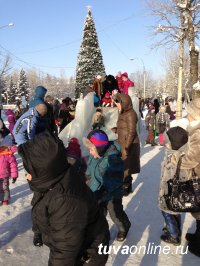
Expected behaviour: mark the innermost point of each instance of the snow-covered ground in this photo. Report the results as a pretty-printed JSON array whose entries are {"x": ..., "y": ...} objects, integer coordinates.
[{"x": 141, "y": 206}]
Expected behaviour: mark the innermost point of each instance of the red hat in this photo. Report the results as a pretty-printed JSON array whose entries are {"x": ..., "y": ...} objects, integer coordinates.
[
  {"x": 125, "y": 74},
  {"x": 73, "y": 149},
  {"x": 107, "y": 95}
]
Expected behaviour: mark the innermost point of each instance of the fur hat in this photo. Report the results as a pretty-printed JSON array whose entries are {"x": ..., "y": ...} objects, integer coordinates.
[
  {"x": 73, "y": 149},
  {"x": 193, "y": 108},
  {"x": 125, "y": 74},
  {"x": 177, "y": 137}
]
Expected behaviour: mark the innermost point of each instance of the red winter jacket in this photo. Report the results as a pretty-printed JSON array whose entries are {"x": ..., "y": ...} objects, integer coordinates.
[{"x": 126, "y": 84}]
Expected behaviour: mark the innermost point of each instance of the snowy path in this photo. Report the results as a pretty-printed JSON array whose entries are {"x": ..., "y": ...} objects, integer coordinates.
[{"x": 141, "y": 206}]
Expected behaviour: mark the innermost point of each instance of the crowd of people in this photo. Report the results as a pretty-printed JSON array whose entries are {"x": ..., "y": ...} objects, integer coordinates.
[{"x": 72, "y": 194}]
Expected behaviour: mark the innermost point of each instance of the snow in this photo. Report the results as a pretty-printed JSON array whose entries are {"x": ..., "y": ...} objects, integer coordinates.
[{"x": 141, "y": 206}]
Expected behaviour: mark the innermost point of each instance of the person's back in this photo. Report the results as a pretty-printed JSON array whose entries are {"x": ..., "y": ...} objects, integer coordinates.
[
  {"x": 30, "y": 124},
  {"x": 64, "y": 209},
  {"x": 175, "y": 142}
]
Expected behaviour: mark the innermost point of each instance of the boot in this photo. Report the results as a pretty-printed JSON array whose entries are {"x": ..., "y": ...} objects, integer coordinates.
[
  {"x": 127, "y": 186},
  {"x": 5, "y": 202},
  {"x": 121, "y": 236},
  {"x": 195, "y": 236},
  {"x": 194, "y": 247},
  {"x": 170, "y": 239}
]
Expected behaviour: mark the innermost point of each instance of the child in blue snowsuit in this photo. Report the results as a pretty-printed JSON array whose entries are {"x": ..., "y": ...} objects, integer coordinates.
[{"x": 105, "y": 173}]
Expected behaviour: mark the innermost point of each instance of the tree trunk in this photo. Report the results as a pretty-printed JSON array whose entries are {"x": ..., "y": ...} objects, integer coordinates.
[{"x": 194, "y": 56}]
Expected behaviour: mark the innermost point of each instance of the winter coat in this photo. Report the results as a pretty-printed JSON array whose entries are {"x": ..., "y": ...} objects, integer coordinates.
[
  {"x": 150, "y": 121},
  {"x": 168, "y": 170},
  {"x": 162, "y": 122},
  {"x": 11, "y": 119},
  {"x": 28, "y": 125},
  {"x": 106, "y": 173},
  {"x": 8, "y": 164},
  {"x": 126, "y": 84},
  {"x": 127, "y": 136},
  {"x": 98, "y": 88},
  {"x": 192, "y": 153},
  {"x": 38, "y": 98},
  {"x": 119, "y": 82},
  {"x": 64, "y": 209},
  {"x": 109, "y": 87}
]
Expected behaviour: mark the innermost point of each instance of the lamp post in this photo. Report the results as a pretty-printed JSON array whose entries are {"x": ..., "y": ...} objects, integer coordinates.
[{"x": 144, "y": 75}]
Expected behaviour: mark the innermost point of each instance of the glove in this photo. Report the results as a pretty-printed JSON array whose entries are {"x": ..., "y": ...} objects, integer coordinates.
[
  {"x": 14, "y": 180},
  {"x": 37, "y": 240}
]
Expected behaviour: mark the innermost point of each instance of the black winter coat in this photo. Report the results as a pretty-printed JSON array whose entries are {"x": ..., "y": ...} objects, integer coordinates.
[{"x": 64, "y": 209}]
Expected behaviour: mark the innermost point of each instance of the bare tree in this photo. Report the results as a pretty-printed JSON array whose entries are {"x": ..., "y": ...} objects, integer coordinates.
[{"x": 178, "y": 20}]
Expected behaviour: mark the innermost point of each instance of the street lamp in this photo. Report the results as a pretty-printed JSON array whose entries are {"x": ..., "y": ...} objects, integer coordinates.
[
  {"x": 144, "y": 74},
  {"x": 8, "y": 25}
]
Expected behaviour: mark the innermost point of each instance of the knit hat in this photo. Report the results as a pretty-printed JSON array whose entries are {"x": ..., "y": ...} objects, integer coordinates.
[
  {"x": 98, "y": 139},
  {"x": 193, "y": 108},
  {"x": 177, "y": 137},
  {"x": 73, "y": 149},
  {"x": 125, "y": 74}
]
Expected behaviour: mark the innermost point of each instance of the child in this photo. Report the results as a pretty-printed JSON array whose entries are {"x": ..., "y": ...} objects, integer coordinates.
[
  {"x": 11, "y": 119},
  {"x": 150, "y": 121},
  {"x": 175, "y": 139},
  {"x": 98, "y": 119},
  {"x": 106, "y": 101},
  {"x": 162, "y": 124},
  {"x": 8, "y": 168},
  {"x": 105, "y": 169},
  {"x": 64, "y": 118}
]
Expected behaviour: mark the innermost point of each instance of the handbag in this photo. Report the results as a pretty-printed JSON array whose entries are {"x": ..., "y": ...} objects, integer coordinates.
[{"x": 183, "y": 196}]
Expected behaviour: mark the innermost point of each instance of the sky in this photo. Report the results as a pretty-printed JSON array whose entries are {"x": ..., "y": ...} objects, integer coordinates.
[{"x": 47, "y": 35}]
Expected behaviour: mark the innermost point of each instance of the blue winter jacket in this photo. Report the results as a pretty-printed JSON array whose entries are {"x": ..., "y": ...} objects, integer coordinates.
[
  {"x": 38, "y": 98},
  {"x": 106, "y": 173},
  {"x": 28, "y": 125}
]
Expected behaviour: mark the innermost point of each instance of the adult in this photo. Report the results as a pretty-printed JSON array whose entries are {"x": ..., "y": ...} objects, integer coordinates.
[
  {"x": 50, "y": 115},
  {"x": 109, "y": 84},
  {"x": 38, "y": 97},
  {"x": 128, "y": 138},
  {"x": 31, "y": 123},
  {"x": 97, "y": 86},
  {"x": 56, "y": 108},
  {"x": 156, "y": 105},
  {"x": 191, "y": 160},
  {"x": 64, "y": 210},
  {"x": 66, "y": 102},
  {"x": 126, "y": 83}
]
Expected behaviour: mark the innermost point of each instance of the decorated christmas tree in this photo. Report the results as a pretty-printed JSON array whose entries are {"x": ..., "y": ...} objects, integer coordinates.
[
  {"x": 23, "y": 86},
  {"x": 90, "y": 61}
]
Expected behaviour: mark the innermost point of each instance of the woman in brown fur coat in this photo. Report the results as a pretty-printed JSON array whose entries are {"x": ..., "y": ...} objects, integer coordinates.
[{"x": 128, "y": 139}]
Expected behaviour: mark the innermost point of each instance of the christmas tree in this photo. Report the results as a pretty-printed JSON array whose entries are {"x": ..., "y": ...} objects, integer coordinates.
[
  {"x": 12, "y": 92},
  {"x": 90, "y": 61},
  {"x": 23, "y": 86}
]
